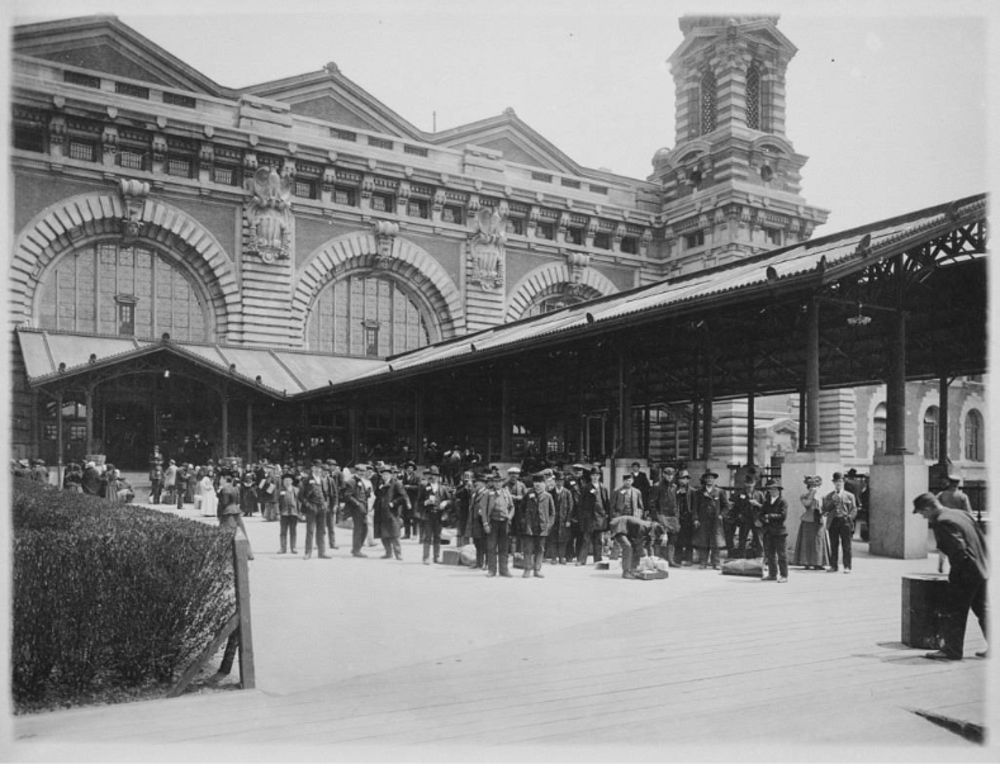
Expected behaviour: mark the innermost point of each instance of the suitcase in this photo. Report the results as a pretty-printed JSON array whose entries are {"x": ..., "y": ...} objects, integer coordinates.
[
  {"x": 451, "y": 557},
  {"x": 651, "y": 575}
]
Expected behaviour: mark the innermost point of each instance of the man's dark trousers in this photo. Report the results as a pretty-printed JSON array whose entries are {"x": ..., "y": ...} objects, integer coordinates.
[
  {"x": 841, "y": 530},
  {"x": 497, "y": 543},
  {"x": 962, "y": 595}
]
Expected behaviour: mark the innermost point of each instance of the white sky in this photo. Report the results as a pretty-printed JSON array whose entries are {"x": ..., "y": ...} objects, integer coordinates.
[{"x": 887, "y": 99}]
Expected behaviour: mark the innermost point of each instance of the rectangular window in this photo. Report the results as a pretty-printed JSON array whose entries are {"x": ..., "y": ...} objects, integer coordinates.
[
  {"x": 126, "y": 318},
  {"x": 602, "y": 240},
  {"x": 382, "y": 203},
  {"x": 305, "y": 189},
  {"x": 345, "y": 196},
  {"x": 379, "y": 143},
  {"x": 226, "y": 176},
  {"x": 179, "y": 167},
  {"x": 541, "y": 177},
  {"x": 930, "y": 440},
  {"x": 515, "y": 225},
  {"x": 415, "y": 150},
  {"x": 78, "y": 432},
  {"x": 174, "y": 99},
  {"x": 774, "y": 236},
  {"x": 696, "y": 239},
  {"x": 570, "y": 183},
  {"x": 82, "y": 150},
  {"x": 417, "y": 208},
  {"x": 128, "y": 89},
  {"x": 630, "y": 245},
  {"x": 343, "y": 135},
  {"x": 131, "y": 160},
  {"x": 28, "y": 138},
  {"x": 574, "y": 236},
  {"x": 452, "y": 214},
  {"x": 545, "y": 230},
  {"x": 598, "y": 189},
  {"x": 75, "y": 78}
]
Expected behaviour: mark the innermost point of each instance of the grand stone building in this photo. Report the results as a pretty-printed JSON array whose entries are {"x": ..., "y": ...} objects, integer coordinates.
[{"x": 278, "y": 238}]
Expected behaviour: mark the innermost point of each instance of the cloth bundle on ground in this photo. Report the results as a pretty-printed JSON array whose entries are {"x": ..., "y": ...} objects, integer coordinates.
[
  {"x": 742, "y": 568},
  {"x": 467, "y": 555}
]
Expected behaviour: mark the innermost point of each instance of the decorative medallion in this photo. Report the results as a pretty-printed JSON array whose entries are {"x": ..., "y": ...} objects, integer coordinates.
[{"x": 385, "y": 235}]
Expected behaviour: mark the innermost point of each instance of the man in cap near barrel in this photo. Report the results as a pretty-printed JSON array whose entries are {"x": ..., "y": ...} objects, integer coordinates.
[
  {"x": 959, "y": 537},
  {"x": 773, "y": 514}
]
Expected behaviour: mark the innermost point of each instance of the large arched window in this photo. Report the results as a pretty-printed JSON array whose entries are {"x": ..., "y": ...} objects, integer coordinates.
[
  {"x": 109, "y": 288},
  {"x": 931, "y": 431},
  {"x": 365, "y": 315},
  {"x": 879, "y": 430},
  {"x": 974, "y": 437},
  {"x": 709, "y": 109}
]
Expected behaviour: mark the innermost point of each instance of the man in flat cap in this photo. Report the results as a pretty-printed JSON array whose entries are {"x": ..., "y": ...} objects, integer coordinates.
[
  {"x": 495, "y": 508},
  {"x": 953, "y": 497},
  {"x": 592, "y": 515},
  {"x": 390, "y": 500},
  {"x": 434, "y": 498},
  {"x": 959, "y": 537},
  {"x": 539, "y": 514},
  {"x": 840, "y": 507}
]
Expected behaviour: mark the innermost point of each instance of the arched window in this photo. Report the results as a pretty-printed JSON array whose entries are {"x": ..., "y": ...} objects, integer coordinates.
[
  {"x": 878, "y": 430},
  {"x": 931, "y": 450},
  {"x": 753, "y": 98},
  {"x": 974, "y": 437},
  {"x": 708, "y": 103},
  {"x": 365, "y": 315},
  {"x": 109, "y": 288}
]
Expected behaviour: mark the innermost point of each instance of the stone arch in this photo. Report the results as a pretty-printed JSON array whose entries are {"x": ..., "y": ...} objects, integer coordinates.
[
  {"x": 79, "y": 220},
  {"x": 356, "y": 251},
  {"x": 544, "y": 279},
  {"x": 877, "y": 399}
]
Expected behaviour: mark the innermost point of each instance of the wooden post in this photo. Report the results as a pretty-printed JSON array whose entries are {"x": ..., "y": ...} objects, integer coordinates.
[
  {"x": 59, "y": 439},
  {"x": 241, "y": 551}
]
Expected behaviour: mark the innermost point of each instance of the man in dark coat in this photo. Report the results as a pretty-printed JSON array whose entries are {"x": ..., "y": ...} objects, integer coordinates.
[
  {"x": 640, "y": 482},
  {"x": 710, "y": 505},
  {"x": 663, "y": 509},
  {"x": 773, "y": 514},
  {"x": 91, "y": 480},
  {"x": 495, "y": 508},
  {"x": 355, "y": 496},
  {"x": 627, "y": 500},
  {"x": 411, "y": 482},
  {"x": 313, "y": 505},
  {"x": 685, "y": 513},
  {"x": 562, "y": 525},
  {"x": 536, "y": 522},
  {"x": 841, "y": 507},
  {"x": 959, "y": 537},
  {"x": 591, "y": 516},
  {"x": 432, "y": 501},
  {"x": 390, "y": 500},
  {"x": 746, "y": 504}
]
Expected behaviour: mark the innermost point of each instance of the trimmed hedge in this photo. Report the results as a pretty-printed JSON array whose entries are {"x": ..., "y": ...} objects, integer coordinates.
[{"x": 109, "y": 596}]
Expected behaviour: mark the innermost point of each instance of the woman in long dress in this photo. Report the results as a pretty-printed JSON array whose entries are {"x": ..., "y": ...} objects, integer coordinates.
[
  {"x": 812, "y": 545},
  {"x": 209, "y": 500}
]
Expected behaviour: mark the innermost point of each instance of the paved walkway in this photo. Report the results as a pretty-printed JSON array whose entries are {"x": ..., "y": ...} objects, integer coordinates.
[{"x": 372, "y": 658}]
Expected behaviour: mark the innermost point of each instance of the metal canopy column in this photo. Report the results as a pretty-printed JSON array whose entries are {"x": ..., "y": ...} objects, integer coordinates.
[{"x": 812, "y": 377}]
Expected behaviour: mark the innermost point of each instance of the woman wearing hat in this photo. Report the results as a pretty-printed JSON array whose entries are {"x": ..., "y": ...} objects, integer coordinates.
[
  {"x": 773, "y": 514},
  {"x": 812, "y": 546}
]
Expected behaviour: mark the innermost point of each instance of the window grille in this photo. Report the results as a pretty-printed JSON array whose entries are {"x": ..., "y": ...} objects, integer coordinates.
[
  {"x": 753, "y": 98},
  {"x": 570, "y": 183},
  {"x": 415, "y": 150},
  {"x": 131, "y": 160},
  {"x": 128, "y": 89},
  {"x": 379, "y": 143},
  {"x": 598, "y": 189},
  {"x": 541, "y": 176},
  {"x": 343, "y": 135},
  {"x": 516, "y": 226},
  {"x": 630, "y": 245},
  {"x": 602, "y": 240},
  {"x": 76, "y": 78},
  {"x": 179, "y": 167},
  {"x": 82, "y": 150},
  {"x": 381, "y": 203},
  {"x": 574, "y": 235},
  {"x": 174, "y": 99},
  {"x": 29, "y": 138},
  {"x": 452, "y": 214},
  {"x": 223, "y": 175},
  {"x": 708, "y": 103},
  {"x": 417, "y": 209},
  {"x": 545, "y": 230},
  {"x": 344, "y": 196}
]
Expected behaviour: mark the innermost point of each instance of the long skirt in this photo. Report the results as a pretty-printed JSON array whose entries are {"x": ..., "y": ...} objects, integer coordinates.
[
  {"x": 812, "y": 546},
  {"x": 209, "y": 503}
]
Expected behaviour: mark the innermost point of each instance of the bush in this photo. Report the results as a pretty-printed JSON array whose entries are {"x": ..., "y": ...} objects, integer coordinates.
[{"x": 109, "y": 595}]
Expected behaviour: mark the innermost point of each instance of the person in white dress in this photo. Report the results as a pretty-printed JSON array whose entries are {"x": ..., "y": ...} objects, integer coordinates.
[{"x": 209, "y": 500}]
